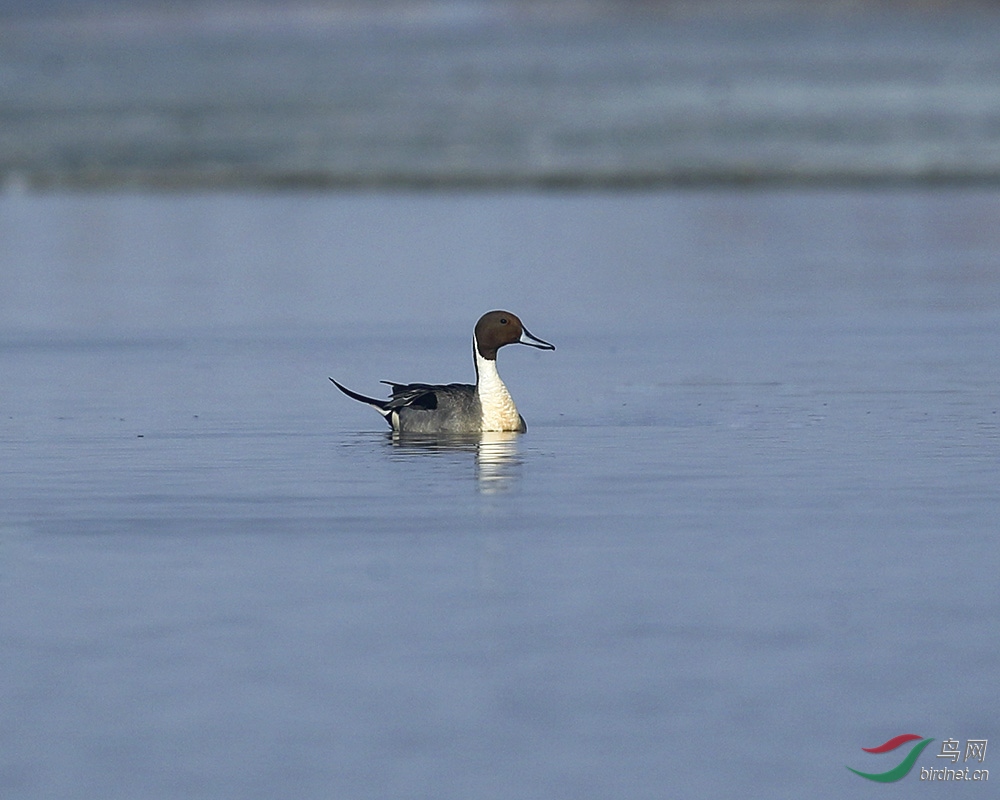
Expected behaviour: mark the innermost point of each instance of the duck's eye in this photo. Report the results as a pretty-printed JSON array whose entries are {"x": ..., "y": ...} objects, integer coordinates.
[{"x": 503, "y": 320}]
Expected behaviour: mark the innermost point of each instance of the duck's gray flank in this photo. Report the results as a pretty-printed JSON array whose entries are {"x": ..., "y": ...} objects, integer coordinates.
[{"x": 461, "y": 407}]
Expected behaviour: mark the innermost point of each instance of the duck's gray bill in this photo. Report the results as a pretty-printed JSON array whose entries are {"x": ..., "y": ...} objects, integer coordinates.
[{"x": 541, "y": 344}]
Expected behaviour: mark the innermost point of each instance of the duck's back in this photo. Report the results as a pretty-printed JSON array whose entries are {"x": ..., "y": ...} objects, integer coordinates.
[{"x": 424, "y": 408}]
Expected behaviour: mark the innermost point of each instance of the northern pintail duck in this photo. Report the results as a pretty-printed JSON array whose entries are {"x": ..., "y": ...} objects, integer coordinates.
[{"x": 459, "y": 407}]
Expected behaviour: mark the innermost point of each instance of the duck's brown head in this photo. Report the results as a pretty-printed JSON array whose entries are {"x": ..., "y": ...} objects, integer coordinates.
[{"x": 497, "y": 328}]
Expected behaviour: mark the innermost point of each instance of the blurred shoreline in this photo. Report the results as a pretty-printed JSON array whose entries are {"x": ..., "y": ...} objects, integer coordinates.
[{"x": 497, "y": 94}]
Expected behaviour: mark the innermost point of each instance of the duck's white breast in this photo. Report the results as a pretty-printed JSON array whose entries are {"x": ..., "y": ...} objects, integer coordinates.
[{"x": 498, "y": 409}]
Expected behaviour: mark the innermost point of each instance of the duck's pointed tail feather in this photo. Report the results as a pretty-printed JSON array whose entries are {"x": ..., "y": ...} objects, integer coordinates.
[{"x": 379, "y": 405}]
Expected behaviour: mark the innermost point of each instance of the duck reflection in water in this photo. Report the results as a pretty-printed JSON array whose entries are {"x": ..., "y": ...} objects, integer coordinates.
[{"x": 498, "y": 463}]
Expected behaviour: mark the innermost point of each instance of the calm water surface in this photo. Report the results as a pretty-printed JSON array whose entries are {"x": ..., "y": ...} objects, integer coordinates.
[{"x": 751, "y": 529}]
